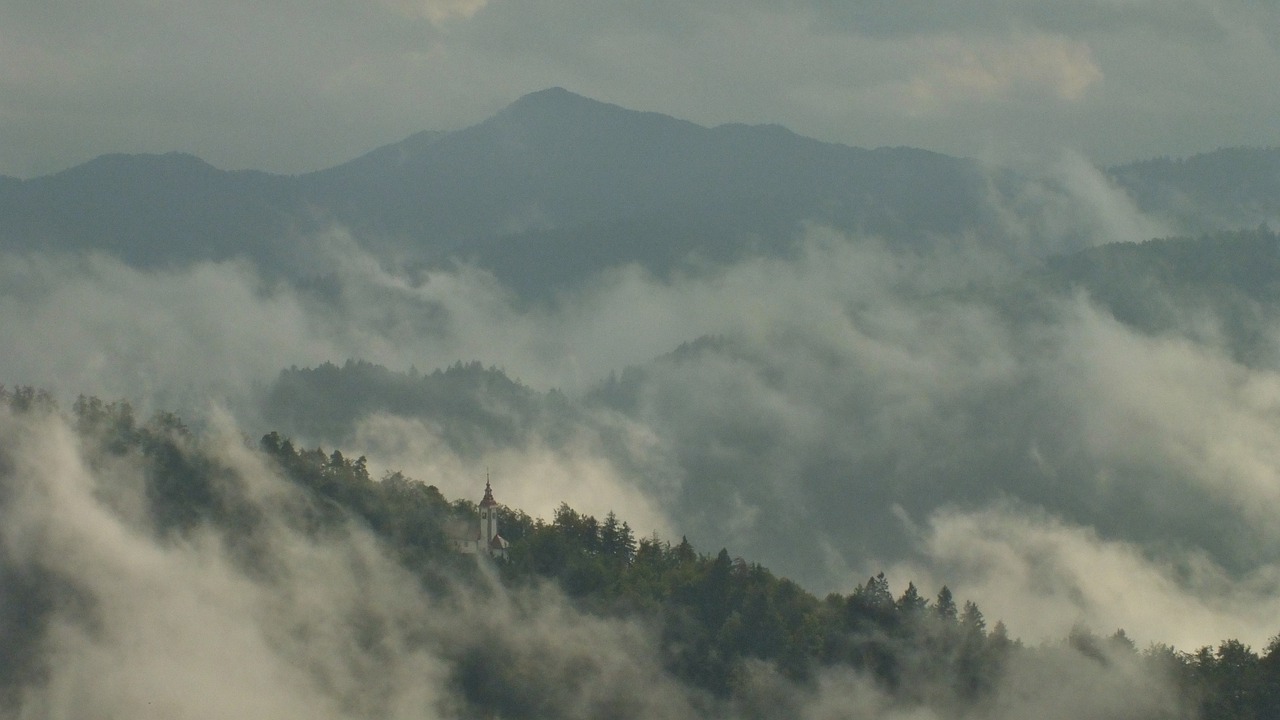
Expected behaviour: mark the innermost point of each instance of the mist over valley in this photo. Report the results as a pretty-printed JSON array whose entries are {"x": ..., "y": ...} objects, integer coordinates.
[{"x": 1050, "y": 387}]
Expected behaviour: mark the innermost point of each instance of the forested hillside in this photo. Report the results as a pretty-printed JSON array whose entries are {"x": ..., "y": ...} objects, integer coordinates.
[
  {"x": 723, "y": 631},
  {"x": 1223, "y": 287},
  {"x": 745, "y": 435},
  {"x": 1233, "y": 188},
  {"x": 475, "y": 408}
]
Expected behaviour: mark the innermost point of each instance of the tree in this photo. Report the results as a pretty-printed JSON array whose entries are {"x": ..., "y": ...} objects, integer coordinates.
[
  {"x": 627, "y": 542},
  {"x": 1120, "y": 641},
  {"x": 945, "y": 606},
  {"x": 1234, "y": 682},
  {"x": 616, "y": 540},
  {"x": 652, "y": 551},
  {"x": 871, "y": 603},
  {"x": 876, "y": 593},
  {"x": 911, "y": 604},
  {"x": 971, "y": 619},
  {"x": 684, "y": 552},
  {"x": 715, "y": 589},
  {"x": 999, "y": 637}
]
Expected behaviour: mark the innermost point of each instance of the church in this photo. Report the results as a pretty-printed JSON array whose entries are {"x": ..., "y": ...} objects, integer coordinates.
[{"x": 488, "y": 541}]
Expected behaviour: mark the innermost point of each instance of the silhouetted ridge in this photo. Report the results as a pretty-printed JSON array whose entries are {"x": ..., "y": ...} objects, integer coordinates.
[
  {"x": 557, "y": 187},
  {"x": 556, "y": 100},
  {"x": 399, "y": 153},
  {"x": 115, "y": 163},
  {"x": 148, "y": 210},
  {"x": 474, "y": 408},
  {"x": 545, "y": 194},
  {"x": 1230, "y": 188}
]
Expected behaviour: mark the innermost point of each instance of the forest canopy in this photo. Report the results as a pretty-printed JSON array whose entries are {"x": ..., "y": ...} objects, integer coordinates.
[{"x": 713, "y": 621}]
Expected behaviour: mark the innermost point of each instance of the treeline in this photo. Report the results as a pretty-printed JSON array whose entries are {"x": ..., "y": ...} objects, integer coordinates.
[
  {"x": 473, "y": 408},
  {"x": 715, "y": 615},
  {"x": 1173, "y": 285},
  {"x": 716, "y": 612}
]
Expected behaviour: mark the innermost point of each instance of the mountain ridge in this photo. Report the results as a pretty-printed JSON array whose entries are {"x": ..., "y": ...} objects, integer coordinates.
[{"x": 551, "y": 190}]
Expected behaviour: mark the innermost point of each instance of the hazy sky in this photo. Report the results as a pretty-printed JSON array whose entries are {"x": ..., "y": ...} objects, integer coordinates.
[{"x": 290, "y": 86}]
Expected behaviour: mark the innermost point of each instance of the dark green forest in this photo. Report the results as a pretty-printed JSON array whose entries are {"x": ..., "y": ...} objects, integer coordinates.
[{"x": 716, "y": 615}]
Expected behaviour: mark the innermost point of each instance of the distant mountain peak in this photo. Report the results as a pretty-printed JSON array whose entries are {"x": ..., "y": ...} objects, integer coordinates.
[
  {"x": 552, "y": 96},
  {"x": 552, "y": 92},
  {"x": 141, "y": 166},
  {"x": 169, "y": 159},
  {"x": 559, "y": 105}
]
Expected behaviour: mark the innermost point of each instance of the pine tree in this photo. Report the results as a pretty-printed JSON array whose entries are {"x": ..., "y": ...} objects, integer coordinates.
[{"x": 945, "y": 605}]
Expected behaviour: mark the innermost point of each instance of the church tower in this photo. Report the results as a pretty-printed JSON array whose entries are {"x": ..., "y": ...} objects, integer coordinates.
[
  {"x": 488, "y": 515},
  {"x": 490, "y": 540}
]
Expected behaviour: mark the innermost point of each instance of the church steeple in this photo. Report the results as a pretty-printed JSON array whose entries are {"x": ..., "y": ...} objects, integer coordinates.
[
  {"x": 488, "y": 500},
  {"x": 487, "y": 540},
  {"x": 490, "y": 538}
]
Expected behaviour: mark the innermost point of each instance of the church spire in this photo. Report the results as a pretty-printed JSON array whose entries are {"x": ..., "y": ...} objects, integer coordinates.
[
  {"x": 488, "y": 500},
  {"x": 488, "y": 541}
]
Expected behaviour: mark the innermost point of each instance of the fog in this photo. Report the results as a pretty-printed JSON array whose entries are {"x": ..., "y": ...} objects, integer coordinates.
[
  {"x": 841, "y": 411},
  {"x": 329, "y": 628},
  {"x": 146, "y": 625}
]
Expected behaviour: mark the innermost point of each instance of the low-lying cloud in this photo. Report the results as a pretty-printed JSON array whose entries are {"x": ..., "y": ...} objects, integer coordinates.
[
  {"x": 1046, "y": 577},
  {"x": 326, "y": 625},
  {"x": 814, "y": 402},
  {"x": 536, "y": 478}
]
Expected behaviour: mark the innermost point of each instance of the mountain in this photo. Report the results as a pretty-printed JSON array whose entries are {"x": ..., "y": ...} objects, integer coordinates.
[
  {"x": 1231, "y": 188},
  {"x": 474, "y": 409},
  {"x": 557, "y": 187},
  {"x": 747, "y": 438},
  {"x": 149, "y": 210},
  {"x": 1220, "y": 288},
  {"x": 545, "y": 193}
]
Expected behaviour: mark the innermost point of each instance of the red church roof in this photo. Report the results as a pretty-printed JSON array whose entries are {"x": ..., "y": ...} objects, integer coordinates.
[{"x": 488, "y": 500}]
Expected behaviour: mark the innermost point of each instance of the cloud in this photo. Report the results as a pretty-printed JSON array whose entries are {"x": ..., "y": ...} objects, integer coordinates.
[
  {"x": 1039, "y": 67},
  {"x": 174, "y": 338},
  {"x": 1093, "y": 206},
  {"x": 1045, "y": 576},
  {"x": 324, "y": 625},
  {"x": 844, "y": 387},
  {"x": 534, "y": 478},
  {"x": 254, "y": 86},
  {"x": 94, "y": 325},
  {"x": 1183, "y": 409},
  {"x": 160, "y": 623},
  {"x": 438, "y": 11},
  {"x": 834, "y": 392},
  {"x": 916, "y": 17},
  {"x": 1063, "y": 466}
]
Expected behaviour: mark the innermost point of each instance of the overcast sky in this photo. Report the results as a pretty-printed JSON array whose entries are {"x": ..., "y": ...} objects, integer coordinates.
[{"x": 295, "y": 85}]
